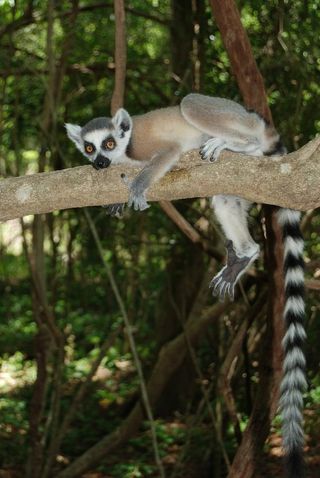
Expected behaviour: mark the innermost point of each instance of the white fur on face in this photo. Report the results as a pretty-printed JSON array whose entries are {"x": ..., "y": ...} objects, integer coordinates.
[{"x": 96, "y": 137}]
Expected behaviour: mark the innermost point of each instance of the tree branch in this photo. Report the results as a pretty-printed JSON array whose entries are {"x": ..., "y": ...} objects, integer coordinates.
[{"x": 289, "y": 181}]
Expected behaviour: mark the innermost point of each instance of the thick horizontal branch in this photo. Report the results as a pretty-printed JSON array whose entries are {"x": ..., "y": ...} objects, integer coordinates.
[{"x": 290, "y": 181}]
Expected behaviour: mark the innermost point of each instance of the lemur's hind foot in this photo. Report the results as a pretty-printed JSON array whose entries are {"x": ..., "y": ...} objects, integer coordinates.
[
  {"x": 212, "y": 148},
  {"x": 223, "y": 284}
]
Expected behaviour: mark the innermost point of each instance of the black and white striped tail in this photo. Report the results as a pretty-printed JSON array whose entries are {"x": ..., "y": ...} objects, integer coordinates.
[{"x": 294, "y": 381}]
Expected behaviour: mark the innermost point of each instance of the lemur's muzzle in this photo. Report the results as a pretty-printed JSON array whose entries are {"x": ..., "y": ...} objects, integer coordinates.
[{"x": 101, "y": 162}]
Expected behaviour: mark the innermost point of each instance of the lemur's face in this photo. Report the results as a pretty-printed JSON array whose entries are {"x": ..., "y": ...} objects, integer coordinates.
[{"x": 103, "y": 140}]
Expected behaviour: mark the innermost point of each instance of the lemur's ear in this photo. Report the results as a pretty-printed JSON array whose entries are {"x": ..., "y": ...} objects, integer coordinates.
[
  {"x": 122, "y": 120},
  {"x": 74, "y": 133}
]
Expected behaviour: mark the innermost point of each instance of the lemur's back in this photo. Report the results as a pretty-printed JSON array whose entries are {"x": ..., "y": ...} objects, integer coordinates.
[{"x": 155, "y": 131}]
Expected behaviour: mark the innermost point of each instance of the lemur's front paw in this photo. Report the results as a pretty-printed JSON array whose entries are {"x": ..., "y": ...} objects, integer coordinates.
[
  {"x": 211, "y": 149},
  {"x": 137, "y": 194},
  {"x": 137, "y": 200},
  {"x": 223, "y": 284},
  {"x": 115, "y": 210}
]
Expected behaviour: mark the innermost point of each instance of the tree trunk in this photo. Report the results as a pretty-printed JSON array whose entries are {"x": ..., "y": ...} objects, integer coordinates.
[
  {"x": 252, "y": 88},
  {"x": 181, "y": 45}
]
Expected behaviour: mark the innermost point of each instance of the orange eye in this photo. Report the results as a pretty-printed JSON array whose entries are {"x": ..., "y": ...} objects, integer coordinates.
[
  {"x": 89, "y": 148},
  {"x": 109, "y": 144}
]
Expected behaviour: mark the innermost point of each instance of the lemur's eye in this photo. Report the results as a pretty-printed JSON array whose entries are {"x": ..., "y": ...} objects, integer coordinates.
[
  {"x": 109, "y": 144},
  {"x": 89, "y": 148}
]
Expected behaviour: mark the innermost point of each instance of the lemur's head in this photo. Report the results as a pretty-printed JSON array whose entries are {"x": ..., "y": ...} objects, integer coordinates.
[{"x": 102, "y": 140}]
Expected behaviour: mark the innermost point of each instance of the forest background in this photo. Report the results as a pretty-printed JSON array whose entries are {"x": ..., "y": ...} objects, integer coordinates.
[{"x": 70, "y": 383}]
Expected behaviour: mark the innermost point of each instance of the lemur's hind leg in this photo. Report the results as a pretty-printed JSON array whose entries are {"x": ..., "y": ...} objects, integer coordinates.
[
  {"x": 226, "y": 124},
  {"x": 231, "y": 212}
]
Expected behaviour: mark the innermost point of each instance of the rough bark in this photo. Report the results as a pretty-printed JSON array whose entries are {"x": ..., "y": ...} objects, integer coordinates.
[{"x": 290, "y": 181}]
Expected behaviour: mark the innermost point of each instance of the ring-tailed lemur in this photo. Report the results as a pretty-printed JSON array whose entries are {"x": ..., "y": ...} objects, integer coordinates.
[{"x": 157, "y": 139}]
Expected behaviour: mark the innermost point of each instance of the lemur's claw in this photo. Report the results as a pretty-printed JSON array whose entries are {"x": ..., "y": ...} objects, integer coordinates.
[
  {"x": 138, "y": 201},
  {"x": 115, "y": 210},
  {"x": 222, "y": 288},
  {"x": 204, "y": 156},
  {"x": 211, "y": 149}
]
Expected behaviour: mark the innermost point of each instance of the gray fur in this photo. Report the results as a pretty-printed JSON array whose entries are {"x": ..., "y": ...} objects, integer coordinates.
[
  {"x": 156, "y": 167},
  {"x": 97, "y": 123}
]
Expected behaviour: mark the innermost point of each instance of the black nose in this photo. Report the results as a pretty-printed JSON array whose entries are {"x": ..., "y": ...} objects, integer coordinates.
[{"x": 101, "y": 162}]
